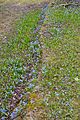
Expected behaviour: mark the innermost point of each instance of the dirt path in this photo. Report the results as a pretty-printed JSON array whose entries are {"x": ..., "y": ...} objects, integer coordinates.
[{"x": 11, "y": 12}]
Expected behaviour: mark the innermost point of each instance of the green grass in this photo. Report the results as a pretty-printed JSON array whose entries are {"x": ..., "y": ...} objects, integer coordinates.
[
  {"x": 59, "y": 83},
  {"x": 61, "y": 63},
  {"x": 13, "y": 57}
]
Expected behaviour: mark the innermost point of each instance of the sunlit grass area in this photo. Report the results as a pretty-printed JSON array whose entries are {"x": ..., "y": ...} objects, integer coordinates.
[{"x": 61, "y": 63}]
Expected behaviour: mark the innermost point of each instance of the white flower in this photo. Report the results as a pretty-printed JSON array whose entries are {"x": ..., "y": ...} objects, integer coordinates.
[{"x": 77, "y": 79}]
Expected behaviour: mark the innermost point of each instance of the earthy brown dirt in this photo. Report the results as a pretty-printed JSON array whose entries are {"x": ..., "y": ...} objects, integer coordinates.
[{"x": 10, "y": 12}]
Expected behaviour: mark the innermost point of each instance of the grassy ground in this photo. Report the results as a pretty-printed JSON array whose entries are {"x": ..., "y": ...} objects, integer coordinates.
[
  {"x": 54, "y": 94},
  {"x": 14, "y": 56},
  {"x": 61, "y": 63}
]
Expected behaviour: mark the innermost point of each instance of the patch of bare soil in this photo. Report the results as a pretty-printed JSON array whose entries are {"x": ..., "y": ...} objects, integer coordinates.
[{"x": 9, "y": 13}]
